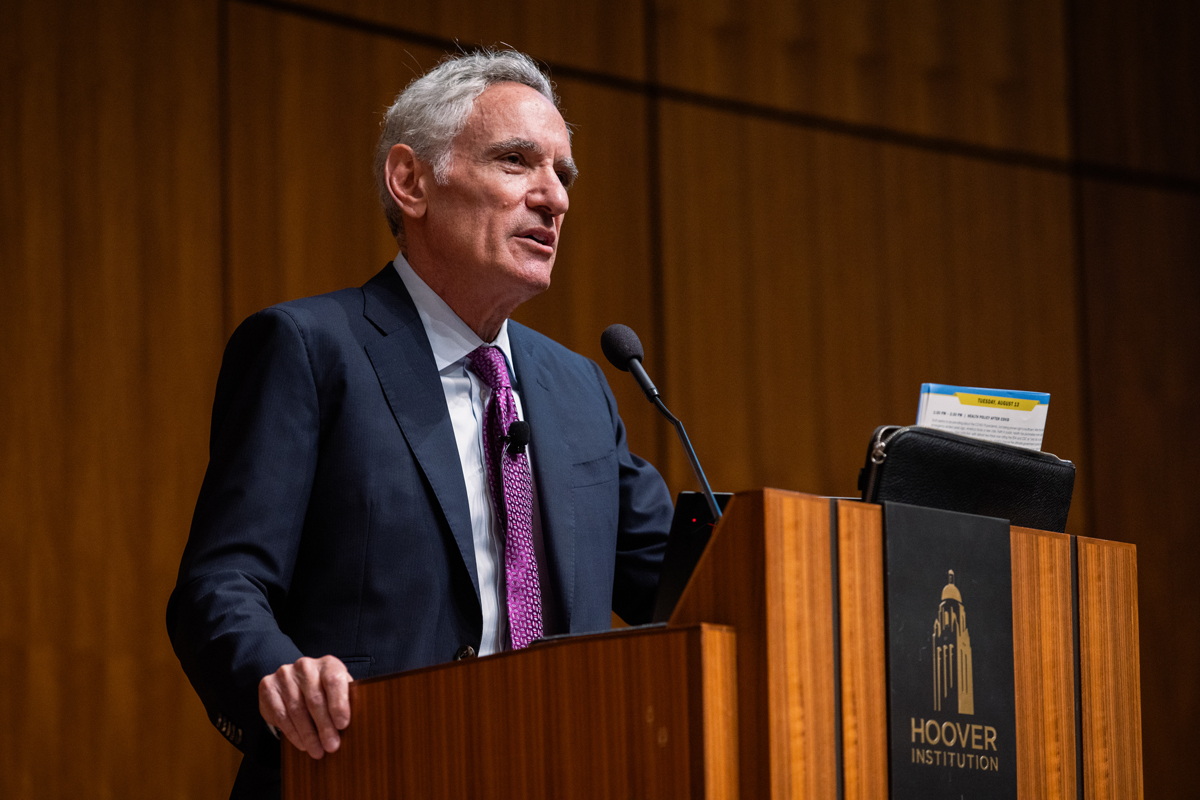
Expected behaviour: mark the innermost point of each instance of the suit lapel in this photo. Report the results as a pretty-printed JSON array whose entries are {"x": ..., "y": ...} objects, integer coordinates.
[
  {"x": 403, "y": 361},
  {"x": 551, "y": 463}
]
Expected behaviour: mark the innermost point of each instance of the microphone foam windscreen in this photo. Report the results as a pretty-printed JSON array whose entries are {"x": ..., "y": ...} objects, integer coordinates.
[
  {"x": 620, "y": 344},
  {"x": 518, "y": 433}
]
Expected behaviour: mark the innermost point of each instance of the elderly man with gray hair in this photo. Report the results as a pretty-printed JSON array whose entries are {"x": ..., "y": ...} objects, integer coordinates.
[{"x": 399, "y": 475}]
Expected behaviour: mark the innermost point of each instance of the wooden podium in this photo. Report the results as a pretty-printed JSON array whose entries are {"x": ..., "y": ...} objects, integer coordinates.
[{"x": 769, "y": 682}]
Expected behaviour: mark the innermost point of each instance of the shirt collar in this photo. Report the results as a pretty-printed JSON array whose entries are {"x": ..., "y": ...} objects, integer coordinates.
[{"x": 452, "y": 339}]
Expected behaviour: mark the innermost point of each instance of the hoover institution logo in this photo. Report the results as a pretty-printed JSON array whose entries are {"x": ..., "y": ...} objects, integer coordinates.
[
  {"x": 951, "y": 706},
  {"x": 961, "y": 745},
  {"x": 952, "y": 652}
]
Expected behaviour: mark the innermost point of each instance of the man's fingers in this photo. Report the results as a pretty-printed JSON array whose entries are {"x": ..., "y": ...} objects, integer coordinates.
[
  {"x": 312, "y": 690},
  {"x": 336, "y": 679},
  {"x": 297, "y": 719},
  {"x": 298, "y": 728},
  {"x": 309, "y": 702},
  {"x": 270, "y": 704},
  {"x": 281, "y": 704}
]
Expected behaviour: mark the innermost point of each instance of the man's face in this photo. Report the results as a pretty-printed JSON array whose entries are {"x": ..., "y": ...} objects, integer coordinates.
[{"x": 495, "y": 222}]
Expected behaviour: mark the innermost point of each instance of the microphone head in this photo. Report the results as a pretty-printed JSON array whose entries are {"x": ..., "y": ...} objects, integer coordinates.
[
  {"x": 621, "y": 345},
  {"x": 518, "y": 436}
]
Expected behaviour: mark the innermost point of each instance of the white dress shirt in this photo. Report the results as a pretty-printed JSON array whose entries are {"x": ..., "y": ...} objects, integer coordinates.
[{"x": 452, "y": 341}]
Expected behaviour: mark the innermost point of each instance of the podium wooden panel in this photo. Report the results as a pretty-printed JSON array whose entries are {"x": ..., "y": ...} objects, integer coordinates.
[
  {"x": 766, "y": 572},
  {"x": 1111, "y": 691},
  {"x": 863, "y": 650},
  {"x": 638, "y": 713},
  {"x": 769, "y": 682},
  {"x": 1044, "y": 664},
  {"x": 769, "y": 572}
]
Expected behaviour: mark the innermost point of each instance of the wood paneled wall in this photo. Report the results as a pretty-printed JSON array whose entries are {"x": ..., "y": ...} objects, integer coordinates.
[
  {"x": 805, "y": 209},
  {"x": 813, "y": 281},
  {"x": 1142, "y": 248},
  {"x": 110, "y": 339},
  {"x": 1137, "y": 76},
  {"x": 990, "y": 72},
  {"x": 1136, "y": 113}
]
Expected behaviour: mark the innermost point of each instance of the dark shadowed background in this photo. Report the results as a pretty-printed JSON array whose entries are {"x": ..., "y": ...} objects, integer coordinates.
[{"x": 805, "y": 208}]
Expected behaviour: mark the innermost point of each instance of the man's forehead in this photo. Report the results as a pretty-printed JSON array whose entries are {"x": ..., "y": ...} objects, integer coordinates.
[{"x": 514, "y": 110}]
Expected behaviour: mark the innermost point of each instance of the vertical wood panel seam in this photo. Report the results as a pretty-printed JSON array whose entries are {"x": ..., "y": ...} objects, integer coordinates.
[
  {"x": 1077, "y": 661},
  {"x": 835, "y": 589},
  {"x": 1083, "y": 350},
  {"x": 1082, "y": 327}
]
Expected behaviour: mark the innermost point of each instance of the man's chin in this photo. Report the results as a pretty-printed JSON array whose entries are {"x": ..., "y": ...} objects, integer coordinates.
[
  {"x": 535, "y": 276},
  {"x": 533, "y": 288}
]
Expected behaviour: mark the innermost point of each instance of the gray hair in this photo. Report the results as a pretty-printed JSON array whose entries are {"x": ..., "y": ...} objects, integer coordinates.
[{"x": 433, "y": 109}]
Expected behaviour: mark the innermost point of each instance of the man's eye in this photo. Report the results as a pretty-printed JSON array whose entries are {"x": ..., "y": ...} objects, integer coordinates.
[
  {"x": 513, "y": 158},
  {"x": 564, "y": 179}
]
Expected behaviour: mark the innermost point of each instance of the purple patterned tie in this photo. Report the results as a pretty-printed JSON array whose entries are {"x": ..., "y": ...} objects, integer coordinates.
[{"x": 512, "y": 493}]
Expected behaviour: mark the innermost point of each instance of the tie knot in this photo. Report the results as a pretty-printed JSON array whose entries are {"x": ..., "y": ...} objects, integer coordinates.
[{"x": 491, "y": 366}]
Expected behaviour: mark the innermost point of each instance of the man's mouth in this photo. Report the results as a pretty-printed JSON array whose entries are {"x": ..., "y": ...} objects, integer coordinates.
[{"x": 543, "y": 237}]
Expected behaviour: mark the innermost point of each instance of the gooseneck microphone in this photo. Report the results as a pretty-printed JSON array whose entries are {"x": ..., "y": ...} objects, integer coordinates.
[{"x": 623, "y": 349}]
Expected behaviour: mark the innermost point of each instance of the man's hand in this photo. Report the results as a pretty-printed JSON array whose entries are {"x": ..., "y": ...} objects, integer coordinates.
[{"x": 309, "y": 701}]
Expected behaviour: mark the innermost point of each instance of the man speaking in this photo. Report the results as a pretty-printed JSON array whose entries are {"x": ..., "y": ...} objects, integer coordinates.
[{"x": 399, "y": 475}]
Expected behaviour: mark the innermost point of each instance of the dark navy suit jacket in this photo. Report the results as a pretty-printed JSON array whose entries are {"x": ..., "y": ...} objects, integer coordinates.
[{"x": 333, "y": 517}]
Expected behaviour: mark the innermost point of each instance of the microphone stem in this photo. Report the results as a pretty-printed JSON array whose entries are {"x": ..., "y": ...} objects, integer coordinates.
[{"x": 713, "y": 508}]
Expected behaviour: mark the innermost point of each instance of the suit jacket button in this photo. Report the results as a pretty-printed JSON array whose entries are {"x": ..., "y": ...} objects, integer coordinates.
[{"x": 466, "y": 651}]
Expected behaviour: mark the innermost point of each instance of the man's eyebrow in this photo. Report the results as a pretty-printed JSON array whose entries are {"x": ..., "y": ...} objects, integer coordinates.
[
  {"x": 566, "y": 165},
  {"x": 498, "y": 148}
]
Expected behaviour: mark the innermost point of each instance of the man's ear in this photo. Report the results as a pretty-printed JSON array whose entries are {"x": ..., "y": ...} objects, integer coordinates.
[{"x": 406, "y": 178}]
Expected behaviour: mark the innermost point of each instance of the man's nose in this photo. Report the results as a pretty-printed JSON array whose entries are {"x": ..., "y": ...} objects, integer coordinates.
[{"x": 548, "y": 194}]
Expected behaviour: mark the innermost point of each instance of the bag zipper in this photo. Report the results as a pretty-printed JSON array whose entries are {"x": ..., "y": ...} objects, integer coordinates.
[
  {"x": 879, "y": 455},
  {"x": 888, "y": 432}
]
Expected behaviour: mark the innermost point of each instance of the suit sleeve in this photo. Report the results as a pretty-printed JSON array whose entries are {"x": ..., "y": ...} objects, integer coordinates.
[
  {"x": 643, "y": 525},
  {"x": 246, "y": 530}
]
